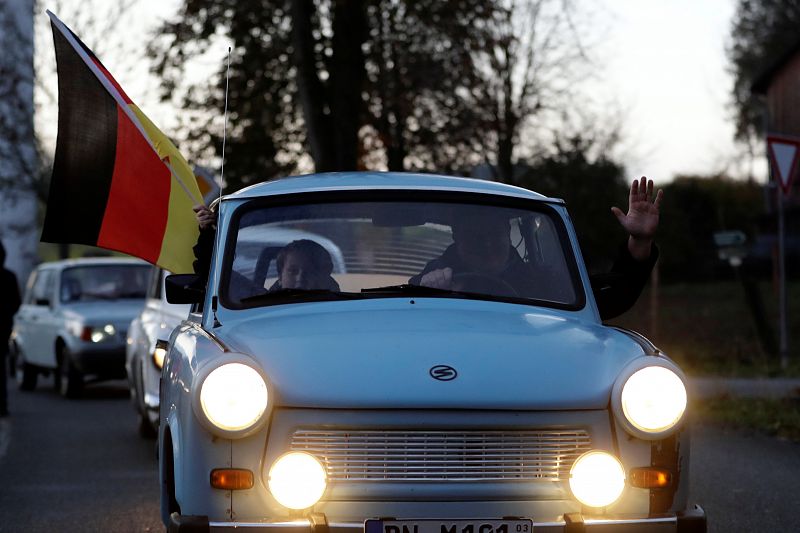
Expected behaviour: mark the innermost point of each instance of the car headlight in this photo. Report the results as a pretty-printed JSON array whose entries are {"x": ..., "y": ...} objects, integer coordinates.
[
  {"x": 597, "y": 479},
  {"x": 233, "y": 398},
  {"x": 651, "y": 400},
  {"x": 160, "y": 353},
  {"x": 297, "y": 480},
  {"x": 158, "y": 357}
]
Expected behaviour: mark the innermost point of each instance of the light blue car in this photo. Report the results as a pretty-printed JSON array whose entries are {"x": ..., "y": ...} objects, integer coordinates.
[{"x": 403, "y": 394}]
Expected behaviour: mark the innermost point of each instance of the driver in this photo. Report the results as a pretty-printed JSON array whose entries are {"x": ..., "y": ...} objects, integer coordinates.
[{"x": 482, "y": 249}]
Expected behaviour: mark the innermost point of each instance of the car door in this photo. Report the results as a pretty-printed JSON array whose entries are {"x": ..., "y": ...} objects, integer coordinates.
[
  {"x": 40, "y": 313},
  {"x": 24, "y": 318}
]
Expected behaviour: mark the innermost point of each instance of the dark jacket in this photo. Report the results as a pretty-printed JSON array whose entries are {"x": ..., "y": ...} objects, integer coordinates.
[
  {"x": 202, "y": 253},
  {"x": 9, "y": 303},
  {"x": 615, "y": 291}
]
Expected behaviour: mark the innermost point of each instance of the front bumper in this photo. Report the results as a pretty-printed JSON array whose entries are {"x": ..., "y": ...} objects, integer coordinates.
[
  {"x": 103, "y": 361},
  {"x": 690, "y": 521}
]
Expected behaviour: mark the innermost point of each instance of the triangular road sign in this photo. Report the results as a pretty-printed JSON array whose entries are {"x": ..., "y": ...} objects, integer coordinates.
[{"x": 784, "y": 153}]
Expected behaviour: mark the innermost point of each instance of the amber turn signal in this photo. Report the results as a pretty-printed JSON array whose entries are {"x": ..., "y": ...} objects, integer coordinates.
[
  {"x": 231, "y": 479},
  {"x": 650, "y": 477}
]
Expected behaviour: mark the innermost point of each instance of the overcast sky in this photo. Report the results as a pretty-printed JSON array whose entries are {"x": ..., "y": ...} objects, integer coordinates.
[
  {"x": 661, "y": 61},
  {"x": 666, "y": 62}
]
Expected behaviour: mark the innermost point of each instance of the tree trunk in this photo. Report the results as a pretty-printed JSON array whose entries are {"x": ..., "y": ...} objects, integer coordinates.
[
  {"x": 347, "y": 79},
  {"x": 397, "y": 152},
  {"x": 312, "y": 92}
]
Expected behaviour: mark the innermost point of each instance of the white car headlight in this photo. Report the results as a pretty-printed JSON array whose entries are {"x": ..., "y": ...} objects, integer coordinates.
[
  {"x": 233, "y": 397},
  {"x": 651, "y": 399},
  {"x": 297, "y": 480},
  {"x": 597, "y": 479}
]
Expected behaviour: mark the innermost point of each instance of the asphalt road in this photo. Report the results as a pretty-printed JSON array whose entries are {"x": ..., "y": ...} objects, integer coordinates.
[
  {"x": 76, "y": 465},
  {"x": 81, "y": 466}
]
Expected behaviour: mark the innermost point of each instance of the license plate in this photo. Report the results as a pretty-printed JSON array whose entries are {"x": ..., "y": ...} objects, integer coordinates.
[{"x": 448, "y": 526}]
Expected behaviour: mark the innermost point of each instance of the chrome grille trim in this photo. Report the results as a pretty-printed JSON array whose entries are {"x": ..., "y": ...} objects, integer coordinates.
[{"x": 445, "y": 455}]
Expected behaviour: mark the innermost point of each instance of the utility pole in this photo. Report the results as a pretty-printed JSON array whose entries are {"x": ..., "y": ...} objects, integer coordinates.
[
  {"x": 784, "y": 155},
  {"x": 783, "y": 346}
]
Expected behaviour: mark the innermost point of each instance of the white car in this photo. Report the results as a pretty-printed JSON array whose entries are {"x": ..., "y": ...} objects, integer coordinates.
[
  {"x": 499, "y": 403},
  {"x": 74, "y": 320},
  {"x": 143, "y": 355}
]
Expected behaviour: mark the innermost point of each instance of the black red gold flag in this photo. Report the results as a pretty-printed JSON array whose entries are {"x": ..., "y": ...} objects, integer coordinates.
[{"x": 118, "y": 182}]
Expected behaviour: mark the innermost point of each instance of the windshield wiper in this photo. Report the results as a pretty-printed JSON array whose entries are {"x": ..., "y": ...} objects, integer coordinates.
[
  {"x": 408, "y": 288},
  {"x": 281, "y": 294}
]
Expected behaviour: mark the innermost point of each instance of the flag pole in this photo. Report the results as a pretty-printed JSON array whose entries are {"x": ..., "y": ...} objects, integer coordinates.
[{"x": 784, "y": 340}]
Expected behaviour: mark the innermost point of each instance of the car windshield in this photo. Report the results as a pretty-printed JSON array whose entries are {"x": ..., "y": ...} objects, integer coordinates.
[
  {"x": 104, "y": 282},
  {"x": 386, "y": 248}
]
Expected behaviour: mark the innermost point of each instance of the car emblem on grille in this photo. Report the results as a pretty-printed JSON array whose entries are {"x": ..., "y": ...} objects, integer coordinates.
[{"x": 443, "y": 373}]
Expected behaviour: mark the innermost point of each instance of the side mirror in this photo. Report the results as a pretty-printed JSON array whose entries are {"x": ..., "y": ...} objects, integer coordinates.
[{"x": 184, "y": 288}]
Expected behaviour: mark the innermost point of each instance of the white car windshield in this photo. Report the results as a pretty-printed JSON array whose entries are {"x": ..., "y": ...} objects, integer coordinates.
[
  {"x": 279, "y": 253},
  {"x": 104, "y": 282}
]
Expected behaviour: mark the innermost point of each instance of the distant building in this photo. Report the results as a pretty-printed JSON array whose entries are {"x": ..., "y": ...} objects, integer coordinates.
[{"x": 780, "y": 84}]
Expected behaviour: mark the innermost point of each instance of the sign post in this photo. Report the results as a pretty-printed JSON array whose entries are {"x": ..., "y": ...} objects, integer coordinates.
[{"x": 783, "y": 152}]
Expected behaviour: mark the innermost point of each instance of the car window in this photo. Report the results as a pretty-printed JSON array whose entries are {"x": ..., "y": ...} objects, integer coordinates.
[
  {"x": 104, "y": 282},
  {"x": 28, "y": 296},
  {"x": 492, "y": 251},
  {"x": 155, "y": 282},
  {"x": 42, "y": 290}
]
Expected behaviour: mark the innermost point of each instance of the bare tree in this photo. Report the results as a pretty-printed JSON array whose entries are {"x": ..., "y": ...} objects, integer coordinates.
[
  {"x": 530, "y": 71},
  {"x": 18, "y": 154}
]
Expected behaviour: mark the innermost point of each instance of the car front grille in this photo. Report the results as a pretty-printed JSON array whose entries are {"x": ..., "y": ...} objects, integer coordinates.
[{"x": 396, "y": 455}]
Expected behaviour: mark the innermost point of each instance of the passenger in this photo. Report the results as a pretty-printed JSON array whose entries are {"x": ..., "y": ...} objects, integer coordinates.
[
  {"x": 304, "y": 264},
  {"x": 482, "y": 249},
  {"x": 9, "y": 304},
  {"x": 301, "y": 264}
]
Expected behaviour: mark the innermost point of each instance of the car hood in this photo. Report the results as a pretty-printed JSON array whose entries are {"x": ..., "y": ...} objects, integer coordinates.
[
  {"x": 117, "y": 312},
  {"x": 506, "y": 356}
]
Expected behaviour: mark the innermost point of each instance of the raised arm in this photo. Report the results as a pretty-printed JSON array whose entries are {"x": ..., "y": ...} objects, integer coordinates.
[{"x": 641, "y": 220}]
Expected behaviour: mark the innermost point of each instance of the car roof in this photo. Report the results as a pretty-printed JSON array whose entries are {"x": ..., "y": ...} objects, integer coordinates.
[
  {"x": 92, "y": 261},
  {"x": 343, "y": 181}
]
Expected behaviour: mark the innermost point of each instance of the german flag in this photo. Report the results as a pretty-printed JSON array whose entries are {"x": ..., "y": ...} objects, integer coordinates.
[{"x": 118, "y": 182}]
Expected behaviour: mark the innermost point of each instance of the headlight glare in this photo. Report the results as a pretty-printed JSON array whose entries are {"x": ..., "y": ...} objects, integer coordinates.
[
  {"x": 297, "y": 480},
  {"x": 597, "y": 479},
  {"x": 653, "y": 399},
  {"x": 233, "y": 397}
]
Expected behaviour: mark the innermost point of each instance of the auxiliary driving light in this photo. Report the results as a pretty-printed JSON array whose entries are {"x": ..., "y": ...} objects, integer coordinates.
[
  {"x": 297, "y": 480},
  {"x": 597, "y": 479}
]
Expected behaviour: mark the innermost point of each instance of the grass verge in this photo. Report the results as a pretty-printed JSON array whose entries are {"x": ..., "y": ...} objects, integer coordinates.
[
  {"x": 709, "y": 329},
  {"x": 777, "y": 417}
]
